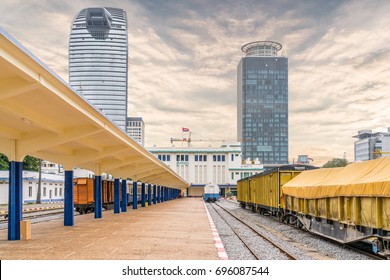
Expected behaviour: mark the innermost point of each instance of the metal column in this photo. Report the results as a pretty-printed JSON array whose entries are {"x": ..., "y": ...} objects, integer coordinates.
[
  {"x": 154, "y": 194},
  {"x": 69, "y": 199},
  {"x": 158, "y": 194},
  {"x": 124, "y": 196},
  {"x": 135, "y": 198},
  {"x": 149, "y": 194},
  {"x": 116, "y": 196},
  {"x": 143, "y": 194},
  {"x": 98, "y": 197},
  {"x": 15, "y": 205}
]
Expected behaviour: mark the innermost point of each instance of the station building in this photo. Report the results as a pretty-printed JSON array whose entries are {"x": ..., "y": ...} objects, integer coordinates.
[{"x": 199, "y": 166}]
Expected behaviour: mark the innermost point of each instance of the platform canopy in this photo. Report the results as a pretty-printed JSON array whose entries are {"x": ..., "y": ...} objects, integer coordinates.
[
  {"x": 42, "y": 116},
  {"x": 366, "y": 178}
]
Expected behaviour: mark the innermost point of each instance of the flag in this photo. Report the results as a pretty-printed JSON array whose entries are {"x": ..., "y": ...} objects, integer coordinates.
[{"x": 184, "y": 129}]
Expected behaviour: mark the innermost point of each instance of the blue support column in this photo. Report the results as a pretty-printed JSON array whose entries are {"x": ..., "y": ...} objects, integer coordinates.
[
  {"x": 163, "y": 198},
  {"x": 154, "y": 194},
  {"x": 15, "y": 205},
  {"x": 149, "y": 194},
  {"x": 143, "y": 195},
  {"x": 117, "y": 196},
  {"x": 98, "y": 197},
  {"x": 69, "y": 199},
  {"x": 135, "y": 198},
  {"x": 124, "y": 196},
  {"x": 158, "y": 194}
]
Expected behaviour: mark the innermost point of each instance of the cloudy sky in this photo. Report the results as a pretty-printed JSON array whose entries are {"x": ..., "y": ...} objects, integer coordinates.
[{"x": 183, "y": 58}]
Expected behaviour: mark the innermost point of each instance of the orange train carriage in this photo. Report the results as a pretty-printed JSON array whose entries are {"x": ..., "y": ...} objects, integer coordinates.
[{"x": 84, "y": 200}]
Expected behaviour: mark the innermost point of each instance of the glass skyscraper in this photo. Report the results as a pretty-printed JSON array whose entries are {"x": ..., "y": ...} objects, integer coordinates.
[
  {"x": 262, "y": 101},
  {"x": 98, "y": 52}
]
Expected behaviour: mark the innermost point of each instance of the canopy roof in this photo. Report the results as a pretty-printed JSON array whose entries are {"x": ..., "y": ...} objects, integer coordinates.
[{"x": 42, "y": 116}]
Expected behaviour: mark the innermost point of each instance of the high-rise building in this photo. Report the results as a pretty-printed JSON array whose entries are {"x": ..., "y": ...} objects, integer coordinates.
[
  {"x": 262, "y": 103},
  {"x": 98, "y": 57},
  {"x": 135, "y": 128},
  {"x": 371, "y": 145}
]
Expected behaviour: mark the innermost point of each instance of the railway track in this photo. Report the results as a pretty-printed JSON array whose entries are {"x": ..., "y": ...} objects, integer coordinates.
[
  {"x": 260, "y": 237},
  {"x": 360, "y": 248},
  {"x": 37, "y": 216}
]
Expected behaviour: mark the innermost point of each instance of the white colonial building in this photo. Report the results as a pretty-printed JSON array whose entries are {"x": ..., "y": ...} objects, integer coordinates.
[
  {"x": 223, "y": 165},
  {"x": 52, "y": 187}
]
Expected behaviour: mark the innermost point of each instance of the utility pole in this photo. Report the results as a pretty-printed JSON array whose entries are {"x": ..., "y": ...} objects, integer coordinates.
[{"x": 38, "y": 201}]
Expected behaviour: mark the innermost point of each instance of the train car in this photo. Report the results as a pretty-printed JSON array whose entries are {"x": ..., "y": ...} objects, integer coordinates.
[
  {"x": 84, "y": 200},
  {"x": 139, "y": 193},
  {"x": 261, "y": 192},
  {"x": 346, "y": 204},
  {"x": 211, "y": 193}
]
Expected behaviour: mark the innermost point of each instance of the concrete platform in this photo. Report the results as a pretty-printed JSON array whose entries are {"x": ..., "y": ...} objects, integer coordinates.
[{"x": 177, "y": 229}]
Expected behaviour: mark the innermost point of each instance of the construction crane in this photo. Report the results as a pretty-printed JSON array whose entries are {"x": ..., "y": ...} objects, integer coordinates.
[{"x": 189, "y": 140}]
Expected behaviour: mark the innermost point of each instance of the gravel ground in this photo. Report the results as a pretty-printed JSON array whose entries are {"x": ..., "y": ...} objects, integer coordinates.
[
  {"x": 232, "y": 244},
  {"x": 297, "y": 242}
]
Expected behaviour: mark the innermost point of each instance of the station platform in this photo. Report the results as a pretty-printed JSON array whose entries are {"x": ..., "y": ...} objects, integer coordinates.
[{"x": 178, "y": 229}]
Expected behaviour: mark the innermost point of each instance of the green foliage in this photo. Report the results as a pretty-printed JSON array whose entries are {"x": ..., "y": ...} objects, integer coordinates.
[
  {"x": 4, "y": 164},
  {"x": 29, "y": 163},
  {"x": 336, "y": 162}
]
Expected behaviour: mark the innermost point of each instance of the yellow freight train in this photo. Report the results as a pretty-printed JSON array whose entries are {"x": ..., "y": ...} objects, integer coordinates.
[
  {"x": 262, "y": 192},
  {"x": 346, "y": 204}
]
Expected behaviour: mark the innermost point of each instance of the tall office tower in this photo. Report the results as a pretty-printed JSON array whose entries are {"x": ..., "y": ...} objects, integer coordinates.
[
  {"x": 262, "y": 103},
  {"x": 98, "y": 60}
]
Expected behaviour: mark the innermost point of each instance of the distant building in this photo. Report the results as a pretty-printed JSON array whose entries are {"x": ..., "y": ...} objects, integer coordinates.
[
  {"x": 371, "y": 145},
  {"x": 98, "y": 57},
  {"x": 51, "y": 168},
  {"x": 262, "y": 100},
  {"x": 135, "y": 128},
  {"x": 304, "y": 159},
  {"x": 200, "y": 166},
  {"x": 52, "y": 187}
]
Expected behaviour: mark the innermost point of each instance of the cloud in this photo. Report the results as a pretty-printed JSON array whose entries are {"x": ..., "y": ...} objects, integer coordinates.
[{"x": 183, "y": 58}]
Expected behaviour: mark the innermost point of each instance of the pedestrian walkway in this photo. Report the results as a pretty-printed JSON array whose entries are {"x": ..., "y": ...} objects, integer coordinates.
[{"x": 177, "y": 229}]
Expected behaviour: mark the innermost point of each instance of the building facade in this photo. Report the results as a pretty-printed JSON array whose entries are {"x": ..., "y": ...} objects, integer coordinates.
[
  {"x": 200, "y": 166},
  {"x": 135, "y": 128},
  {"x": 262, "y": 103},
  {"x": 371, "y": 145},
  {"x": 52, "y": 187},
  {"x": 98, "y": 60}
]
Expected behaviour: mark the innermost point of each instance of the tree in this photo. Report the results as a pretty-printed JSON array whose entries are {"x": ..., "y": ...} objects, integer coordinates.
[
  {"x": 4, "y": 164},
  {"x": 336, "y": 162},
  {"x": 30, "y": 163}
]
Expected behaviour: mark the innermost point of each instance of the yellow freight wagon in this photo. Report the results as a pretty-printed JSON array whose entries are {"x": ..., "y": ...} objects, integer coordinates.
[
  {"x": 345, "y": 204},
  {"x": 261, "y": 192}
]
